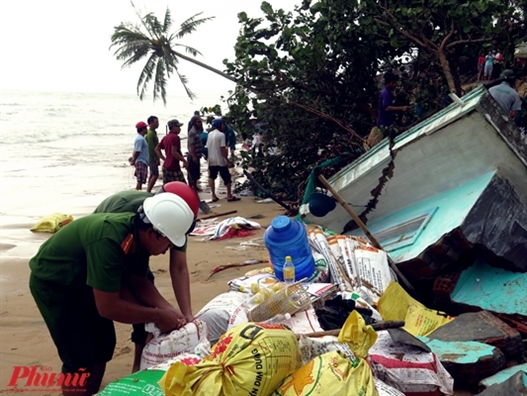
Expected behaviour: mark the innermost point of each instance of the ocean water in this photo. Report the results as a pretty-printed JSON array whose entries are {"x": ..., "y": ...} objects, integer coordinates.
[{"x": 65, "y": 152}]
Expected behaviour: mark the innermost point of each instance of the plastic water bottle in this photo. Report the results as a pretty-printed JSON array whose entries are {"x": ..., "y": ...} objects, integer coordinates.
[
  {"x": 288, "y": 237},
  {"x": 289, "y": 270}
]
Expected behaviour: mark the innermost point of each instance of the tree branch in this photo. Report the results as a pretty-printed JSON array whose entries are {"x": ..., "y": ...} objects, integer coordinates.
[
  {"x": 400, "y": 30},
  {"x": 454, "y": 43},
  {"x": 330, "y": 118},
  {"x": 447, "y": 37}
]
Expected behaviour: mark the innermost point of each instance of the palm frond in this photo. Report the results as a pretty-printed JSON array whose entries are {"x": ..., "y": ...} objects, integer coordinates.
[
  {"x": 183, "y": 79},
  {"x": 193, "y": 51},
  {"x": 190, "y": 25},
  {"x": 153, "y": 26},
  {"x": 146, "y": 76},
  {"x": 167, "y": 24},
  {"x": 160, "y": 82}
]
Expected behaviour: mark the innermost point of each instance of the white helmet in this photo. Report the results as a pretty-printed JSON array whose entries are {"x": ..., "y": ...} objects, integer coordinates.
[{"x": 170, "y": 215}]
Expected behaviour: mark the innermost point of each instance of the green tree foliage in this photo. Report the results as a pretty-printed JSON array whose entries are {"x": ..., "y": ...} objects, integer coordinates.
[
  {"x": 442, "y": 30},
  {"x": 311, "y": 76}
]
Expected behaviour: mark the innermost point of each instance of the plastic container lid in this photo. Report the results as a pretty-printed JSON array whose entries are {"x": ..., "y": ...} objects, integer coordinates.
[{"x": 281, "y": 223}]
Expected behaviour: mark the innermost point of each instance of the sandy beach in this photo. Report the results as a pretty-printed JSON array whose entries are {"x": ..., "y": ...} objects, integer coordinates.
[{"x": 25, "y": 340}]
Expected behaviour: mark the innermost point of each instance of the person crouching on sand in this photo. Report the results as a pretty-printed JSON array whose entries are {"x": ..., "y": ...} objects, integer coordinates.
[{"x": 93, "y": 272}]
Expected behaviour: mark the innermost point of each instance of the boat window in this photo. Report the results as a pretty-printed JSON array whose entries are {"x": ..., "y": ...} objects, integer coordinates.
[{"x": 404, "y": 233}]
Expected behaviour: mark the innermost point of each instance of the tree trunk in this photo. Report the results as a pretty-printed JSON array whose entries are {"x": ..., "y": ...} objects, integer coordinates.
[
  {"x": 446, "y": 70},
  {"x": 205, "y": 66}
]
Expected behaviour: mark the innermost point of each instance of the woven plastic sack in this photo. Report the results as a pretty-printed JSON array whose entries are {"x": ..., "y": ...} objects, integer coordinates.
[
  {"x": 332, "y": 373},
  {"x": 166, "y": 346},
  {"x": 251, "y": 359},
  {"x": 52, "y": 223}
]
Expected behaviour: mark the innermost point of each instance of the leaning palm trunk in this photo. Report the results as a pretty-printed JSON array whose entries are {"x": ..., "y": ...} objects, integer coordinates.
[{"x": 205, "y": 66}]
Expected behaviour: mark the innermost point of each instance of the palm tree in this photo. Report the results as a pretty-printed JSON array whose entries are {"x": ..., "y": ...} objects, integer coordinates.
[{"x": 151, "y": 39}]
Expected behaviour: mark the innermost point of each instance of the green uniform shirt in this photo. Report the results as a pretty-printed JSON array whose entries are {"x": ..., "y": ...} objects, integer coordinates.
[
  {"x": 152, "y": 140},
  {"x": 125, "y": 201},
  {"x": 95, "y": 250},
  {"x": 128, "y": 201}
]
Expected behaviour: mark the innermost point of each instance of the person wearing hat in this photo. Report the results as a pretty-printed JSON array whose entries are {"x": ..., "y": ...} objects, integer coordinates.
[
  {"x": 140, "y": 155},
  {"x": 506, "y": 95},
  {"x": 171, "y": 144},
  {"x": 93, "y": 272},
  {"x": 387, "y": 110}
]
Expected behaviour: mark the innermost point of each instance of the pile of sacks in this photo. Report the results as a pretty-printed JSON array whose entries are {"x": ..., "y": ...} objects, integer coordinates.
[{"x": 223, "y": 353}]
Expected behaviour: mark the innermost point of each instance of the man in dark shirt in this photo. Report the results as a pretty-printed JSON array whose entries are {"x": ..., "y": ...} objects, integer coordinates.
[{"x": 387, "y": 110}]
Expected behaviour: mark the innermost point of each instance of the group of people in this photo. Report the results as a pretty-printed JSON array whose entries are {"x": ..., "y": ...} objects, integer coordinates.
[
  {"x": 504, "y": 94},
  {"x": 489, "y": 65},
  {"x": 148, "y": 151},
  {"x": 214, "y": 146}
]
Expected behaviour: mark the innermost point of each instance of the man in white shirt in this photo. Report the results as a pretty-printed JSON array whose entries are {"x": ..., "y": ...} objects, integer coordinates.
[{"x": 218, "y": 160}]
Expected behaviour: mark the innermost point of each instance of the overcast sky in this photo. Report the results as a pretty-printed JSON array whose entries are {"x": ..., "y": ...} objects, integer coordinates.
[{"x": 63, "y": 45}]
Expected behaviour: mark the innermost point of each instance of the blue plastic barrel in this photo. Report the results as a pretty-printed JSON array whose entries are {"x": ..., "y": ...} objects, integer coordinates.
[{"x": 286, "y": 237}]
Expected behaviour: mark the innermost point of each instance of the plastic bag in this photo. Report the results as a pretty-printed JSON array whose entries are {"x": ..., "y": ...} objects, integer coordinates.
[
  {"x": 52, "y": 223},
  {"x": 396, "y": 304},
  {"x": 251, "y": 359}
]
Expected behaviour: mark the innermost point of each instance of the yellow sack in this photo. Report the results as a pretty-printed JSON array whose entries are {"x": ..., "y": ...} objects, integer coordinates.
[
  {"x": 52, "y": 223},
  {"x": 396, "y": 304},
  {"x": 250, "y": 359},
  {"x": 332, "y": 374}
]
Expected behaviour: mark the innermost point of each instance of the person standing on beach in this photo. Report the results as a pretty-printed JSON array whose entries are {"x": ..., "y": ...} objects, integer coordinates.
[
  {"x": 131, "y": 201},
  {"x": 171, "y": 144},
  {"x": 195, "y": 150},
  {"x": 230, "y": 138},
  {"x": 190, "y": 123},
  {"x": 218, "y": 160},
  {"x": 93, "y": 272},
  {"x": 153, "y": 160},
  {"x": 140, "y": 155}
]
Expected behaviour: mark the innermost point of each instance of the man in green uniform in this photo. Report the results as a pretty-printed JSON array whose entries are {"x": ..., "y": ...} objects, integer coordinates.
[
  {"x": 93, "y": 272},
  {"x": 153, "y": 160},
  {"x": 130, "y": 201}
]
